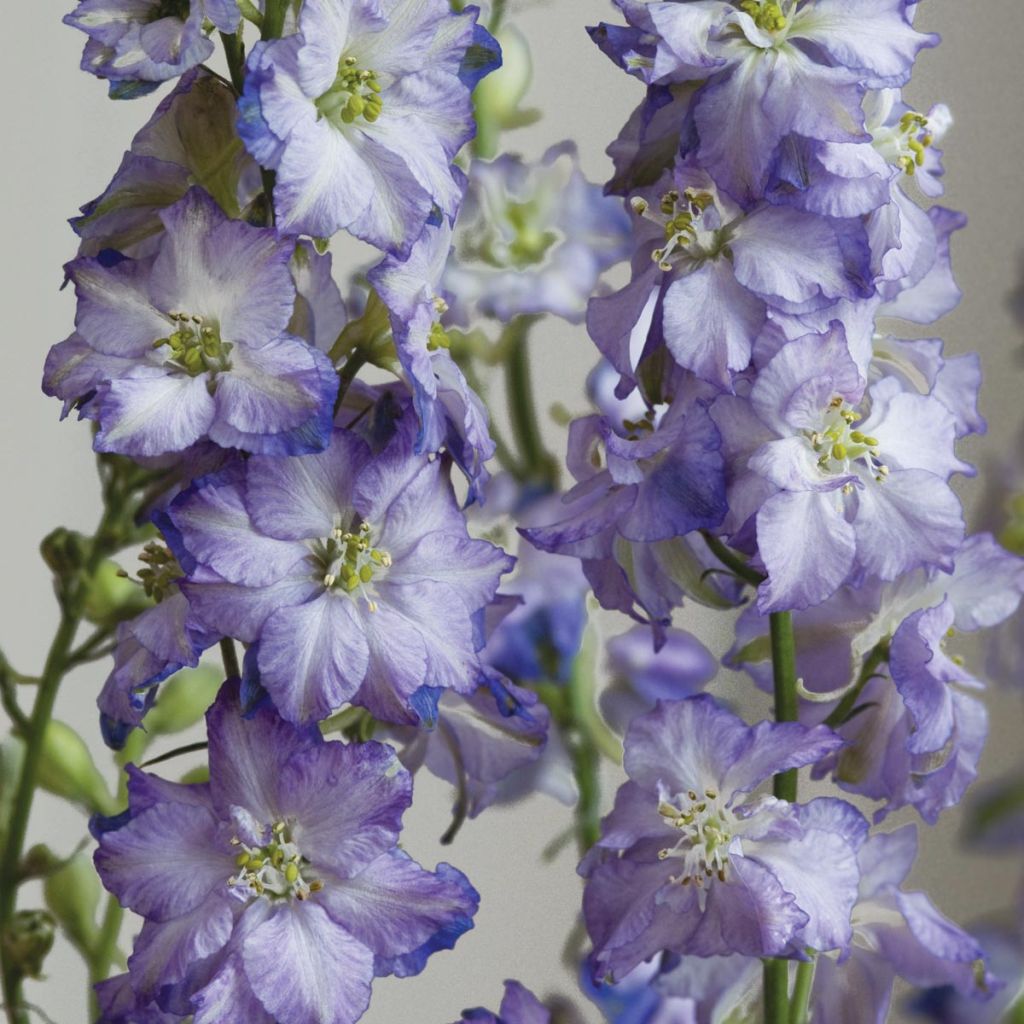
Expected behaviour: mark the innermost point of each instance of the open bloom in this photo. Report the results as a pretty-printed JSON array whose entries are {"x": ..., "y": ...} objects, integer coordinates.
[
  {"x": 192, "y": 343},
  {"x": 277, "y": 891},
  {"x": 137, "y": 44},
  {"x": 361, "y": 113},
  {"x": 770, "y": 71},
  {"x": 689, "y": 862},
  {"x": 519, "y": 1006},
  {"x": 354, "y": 573},
  {"x": 533, "y": 238},
  {"x": 835, "y": 486}
]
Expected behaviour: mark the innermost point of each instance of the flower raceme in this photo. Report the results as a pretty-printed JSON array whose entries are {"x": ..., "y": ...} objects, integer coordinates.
[{"x": 277, "y": 891}]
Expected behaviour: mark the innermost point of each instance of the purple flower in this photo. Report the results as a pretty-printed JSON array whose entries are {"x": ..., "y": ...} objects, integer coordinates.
[
  {"x": 354, "y": 573},
  {"x": 189, "y": 140},
  {"x": 137, "y": 44},
  {"x": 688, "y": 862},
  {"x": 768, "y": 74},
  {"x": 361, "y": 114},
  {"x": 532, "y": 238},
  {"x": 895, "y": 934},
  {"x": 706, "y": 274},
  {"x": 641, "y": 676},
  {"x": 451, "y": 414},
  {"x": 191, "y": 343},
  {"x": 519, "y": 1006},
  {"x": 277, "y": 891},
  {"x": 836, "y": 484}
]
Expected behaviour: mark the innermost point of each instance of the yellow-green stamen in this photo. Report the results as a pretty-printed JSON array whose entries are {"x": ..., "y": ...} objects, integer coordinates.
[
  {"x": 355, "y": 94},
  {"x": 195, "y": 346}
]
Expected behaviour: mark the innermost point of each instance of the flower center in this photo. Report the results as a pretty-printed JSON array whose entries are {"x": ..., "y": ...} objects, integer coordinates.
[
  {"x": 688, "y": 235},
  {"x": 705, "y": 826},
  {"x": 355, "y": 94},
  {"x": 768, "y": 15},
  {"x": 838, "y": 446},
  {"x": 348, "y": 562},
  {"x": 904, "y": 144},
  {"x": 161, "y": 571},
  {"x": 275, "y": 870},
  {"x": 179, "y": 9},
  {"x": 196, "y": 346},
  {"x": 438, "y": 335}
]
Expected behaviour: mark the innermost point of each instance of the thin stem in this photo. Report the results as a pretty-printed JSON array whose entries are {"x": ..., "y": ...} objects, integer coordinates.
[
  {"x": 497, "y": 15},
  {"x": 784, "y": 675},
  {"x": 87, "y": 650},
  {"x": 586, "y": 759},
  {"x": 348, "y": 373},
  {"x": 234, "y": 51},
  {"x": 536, "y": 461},
  {"x": 42, "y": 711},
  {"x": 801, "y": 1001},
  {"x": 105, "y": 950},
  {"x": 732, "y": 561},
  {"x": 229, "y": 656},
  {"x": 879, "y": 653},
  {"x": 273, "y": 19},
  {"x": 776, "y": 992}
]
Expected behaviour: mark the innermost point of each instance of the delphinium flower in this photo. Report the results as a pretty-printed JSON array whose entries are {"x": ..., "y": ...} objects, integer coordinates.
[
  {"x": 411, "y": 290},
  {"x": 641, "y": 676},
  {"x": 277, "y": 891},
  {"x": 895, "y": 934},
  {"x": 770, "y": 72},
  {"x": 354, "y": 572},
  {"x": 837, "y": 484},
  {"x": 136, "y": 44},
  {"x": 706, "y": 274},
  {"x": 690, "y": 862},
  {"x": 519, "y": 1006},
  {"x": 189, "y": 140},
  {"x": 532, "y": 238},
  {"x": 361, "y": 112},
  {"x": 191, "y": 343}
]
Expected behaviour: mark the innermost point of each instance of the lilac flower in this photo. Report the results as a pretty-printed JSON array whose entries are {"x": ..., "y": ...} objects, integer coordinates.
[
  {"x": 354, "y": 573},
  {"x": 519, "y": 1006},
  {"x": 705, "y": 276},
  {"x": 769, "y": 74},
  {"x": 191, "y": 343},
  {"x": 189, "y": 140},
  {"x": 833, "y": 483},
  {"x": 481, "y": 741},
  {"x": 688, "y": 863},
  {"x": 451, "y": 414},
  {"x": 137, "y": 44},
  {"x": 277, "y": 891},
  {"x": 641, "y": 676},
  {"x": 895, "y": 934},
  {"x": 361, "y": 114},
  {"x": 532, "y": 238}
]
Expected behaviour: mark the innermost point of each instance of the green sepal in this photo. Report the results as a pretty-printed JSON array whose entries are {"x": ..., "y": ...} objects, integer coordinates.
[
  {"x": 67, "y": 770},
  {"x": 183, "y": 700},
  {"x": 73, "y": 895}
]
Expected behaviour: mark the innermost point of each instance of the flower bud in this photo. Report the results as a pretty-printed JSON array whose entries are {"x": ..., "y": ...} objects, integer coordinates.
[
  {"x": 66, "y": 769},
  {"x": 73, "y": 895},
  {"x": 111, "y": 597},
  {"x": 183, "y": 700},
  {"x": 27, "y": 940},
  {"x": 498, "y": 96},
  {"x": 64, "y": 551}
]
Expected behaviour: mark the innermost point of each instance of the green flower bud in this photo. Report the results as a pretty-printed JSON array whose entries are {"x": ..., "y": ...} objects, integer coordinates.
[
  {"x": 183, "y": 700},
  {"x": 498, "y": 95},
  {"x": 66, "y": 769},
  {"x": 40, "y": 862},
  {"x": 111, "y": 597},
  {"x": 73, "y": 895},
  {"x": 28, "y": 939},
  {"x": 64, "y": 551}
]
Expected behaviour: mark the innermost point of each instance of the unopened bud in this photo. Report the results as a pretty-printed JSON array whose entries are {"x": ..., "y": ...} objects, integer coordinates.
[
  {"x": 27, "y": 940},
  {"x": 66, "y": 769},
  {"x": 73, "y": 895}
]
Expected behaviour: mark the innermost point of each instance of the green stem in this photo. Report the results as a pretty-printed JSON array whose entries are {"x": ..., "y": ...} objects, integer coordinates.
[
  {"x": 536, "y": 461},
  {"x": 776, "y": 992},
  {"x": 801, "y": 1001},
  {"x": 732, "y": 561},
  {"x": 586, "y": 760},
  {"x": 879, "y": 654},
  {"x": 348, "y": 373},
  {"x": 234, "y": 51},
  {"x": 42, "y": 711},
  {"x": 1015, "y": 1015},
  {"x": 87, "y": 650},
  {"x": 784, "y": 675},
  {"x": 105, "y": 950},
  {"x": 273, "y": 19},
  {"x": 229, "y": 656}
]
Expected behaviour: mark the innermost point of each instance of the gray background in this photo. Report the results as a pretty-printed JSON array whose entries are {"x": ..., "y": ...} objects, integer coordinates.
[{"x": 63, "y": 142}]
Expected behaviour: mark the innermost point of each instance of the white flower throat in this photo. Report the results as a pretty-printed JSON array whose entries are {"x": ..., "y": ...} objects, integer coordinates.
[
  {"x": 275, "y": 870},
  {"x": 705, "y": 828}
]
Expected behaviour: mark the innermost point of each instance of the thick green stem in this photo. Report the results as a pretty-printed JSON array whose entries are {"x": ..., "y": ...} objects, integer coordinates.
[
  {"x": 784, "y": 675},
  {"x": 229, "y": 656},
  {"x": 801, "y": 1001},
  {"x": 586, "y": 757},
  {"x": 776, "y": 992},
  {"x": 537, "y": 463},
  {"x": 42, "y": 712},
  {"x": 273, "y": 19},
  {"x": 234, "y": 51}
]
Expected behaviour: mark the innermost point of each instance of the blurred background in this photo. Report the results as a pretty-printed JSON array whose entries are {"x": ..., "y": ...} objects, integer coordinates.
[{"x": 65, "y": 139}]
